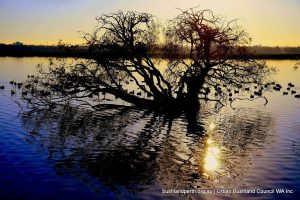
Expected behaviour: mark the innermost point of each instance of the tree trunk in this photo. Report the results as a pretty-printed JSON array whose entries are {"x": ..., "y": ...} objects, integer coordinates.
[{"x": 194, "y": 84}]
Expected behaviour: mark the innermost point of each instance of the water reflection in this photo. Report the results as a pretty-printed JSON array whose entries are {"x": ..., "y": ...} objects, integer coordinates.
[
  {"x": 211, "y": 160},
  {"x": 211, "y": 164},
  {"x": 138, "y": 149}
]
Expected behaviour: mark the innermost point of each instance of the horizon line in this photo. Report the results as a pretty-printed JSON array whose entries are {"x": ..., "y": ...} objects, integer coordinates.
[{"x": 81, "y": 44}]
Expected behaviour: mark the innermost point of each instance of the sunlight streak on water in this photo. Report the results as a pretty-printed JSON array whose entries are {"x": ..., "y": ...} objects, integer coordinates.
[
  {"x": 212, "y": 158},
  {"x": 133, "y": 154},
  {"x": 212, "y": 126},
  {"x": 211, "y": 161}
]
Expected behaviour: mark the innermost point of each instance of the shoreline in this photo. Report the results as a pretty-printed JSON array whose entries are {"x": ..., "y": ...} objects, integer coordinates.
[
  {"x": 82, "y": 52},
  {"x": 59, "y": 55}
]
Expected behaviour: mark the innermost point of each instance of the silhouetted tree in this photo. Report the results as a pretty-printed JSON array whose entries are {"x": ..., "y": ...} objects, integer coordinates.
[
  {"x": 218, "y": 57},
  {"x": 120, "y": 55}
]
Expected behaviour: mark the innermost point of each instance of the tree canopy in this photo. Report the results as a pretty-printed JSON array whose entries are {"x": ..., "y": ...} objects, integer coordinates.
[{"x": 217, "y": 68}]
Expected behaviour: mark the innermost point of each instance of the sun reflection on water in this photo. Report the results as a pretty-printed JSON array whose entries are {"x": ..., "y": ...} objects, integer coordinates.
[
  {"x": 211, "y": 160},
  {"x": 212, "y": 126},
  {"x": 212, "y": 155}
]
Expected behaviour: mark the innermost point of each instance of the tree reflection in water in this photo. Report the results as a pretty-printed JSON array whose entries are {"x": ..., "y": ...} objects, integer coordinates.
[{"x": 133, "y": 149}]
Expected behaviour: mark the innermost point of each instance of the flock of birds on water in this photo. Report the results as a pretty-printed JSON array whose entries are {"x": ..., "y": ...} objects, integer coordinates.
[
  {"x": 17, "y": 85},
  {"x": 290, "y": 89}
]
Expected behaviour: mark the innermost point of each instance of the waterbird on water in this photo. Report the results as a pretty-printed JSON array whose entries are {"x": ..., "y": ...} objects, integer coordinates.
[
  {"x": 278, "y": 85},
  {"x": 276, "y": 88},
  {"x": 258, "y": 93},
  {"x": 19, "y": 85},
  {"x": 27, "y": 86},
  {"x": 2, "y": 87}
]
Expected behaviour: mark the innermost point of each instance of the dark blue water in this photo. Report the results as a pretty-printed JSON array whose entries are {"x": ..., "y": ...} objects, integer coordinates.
[
  {"x": 26, "y": 172},
  {"x": 125, "y": 153}
]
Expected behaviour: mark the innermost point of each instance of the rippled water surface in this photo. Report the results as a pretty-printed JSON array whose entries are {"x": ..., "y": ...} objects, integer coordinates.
[{"x": 125, "y": 153}]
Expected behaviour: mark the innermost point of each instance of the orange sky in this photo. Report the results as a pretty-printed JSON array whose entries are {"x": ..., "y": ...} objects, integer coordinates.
[{"x": 269, "y": 22}]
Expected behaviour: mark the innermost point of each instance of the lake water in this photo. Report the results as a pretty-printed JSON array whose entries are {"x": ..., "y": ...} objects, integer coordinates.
[{"x": 136, "y": 154}]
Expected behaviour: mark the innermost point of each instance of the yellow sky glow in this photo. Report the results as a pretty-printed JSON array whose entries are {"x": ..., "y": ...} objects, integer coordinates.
[{"x": 269, "y": 22}]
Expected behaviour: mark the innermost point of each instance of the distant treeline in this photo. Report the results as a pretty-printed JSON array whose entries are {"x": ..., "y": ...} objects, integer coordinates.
[
  {"x": 260, "y": 52},
  {"x": 276, "y": 52},
  {"x": 40, "y": 50}
]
